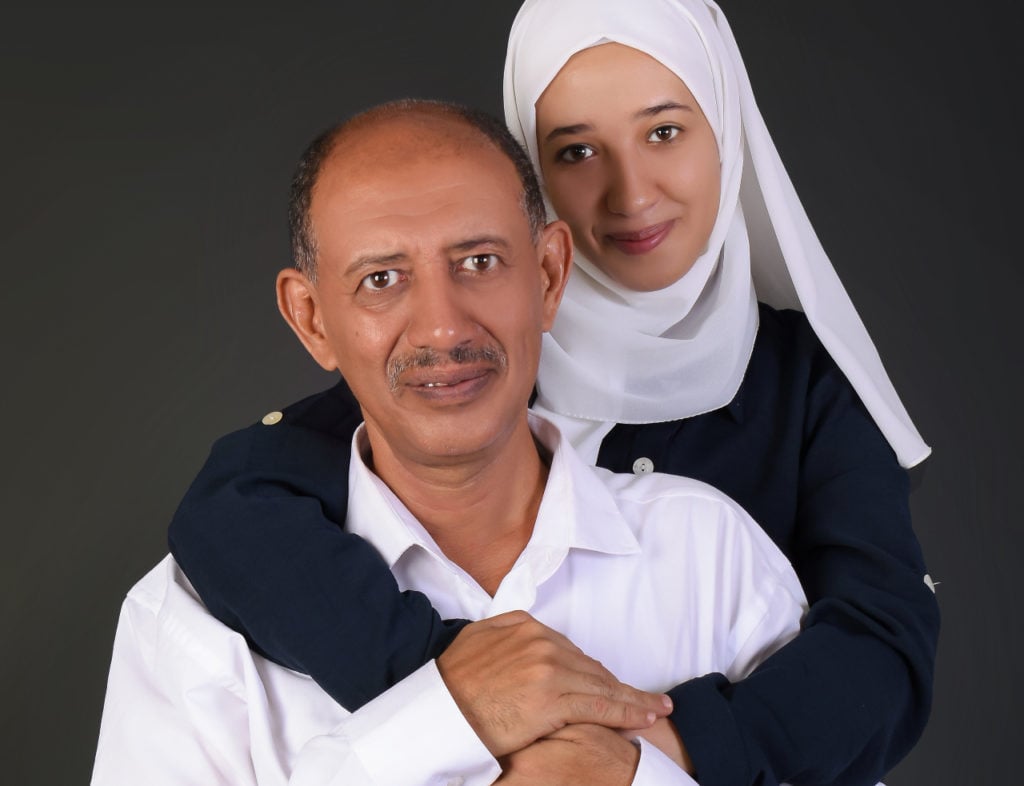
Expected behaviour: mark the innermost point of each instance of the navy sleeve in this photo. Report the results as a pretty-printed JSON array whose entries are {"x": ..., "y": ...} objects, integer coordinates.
[
  {"x": 259, "y": 534},
  {"x": 848, "y": 697}
]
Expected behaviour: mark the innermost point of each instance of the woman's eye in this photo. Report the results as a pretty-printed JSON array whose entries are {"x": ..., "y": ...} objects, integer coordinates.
[
  {"x": 479, "y": 263},
  {"x": 574, "y": 153},
  {"x": 381, "y": 279},
  {"x": 663, "y": 134}
]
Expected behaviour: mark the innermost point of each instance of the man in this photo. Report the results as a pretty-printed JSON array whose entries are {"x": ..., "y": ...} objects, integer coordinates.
[{"x": 432, "y": 285}]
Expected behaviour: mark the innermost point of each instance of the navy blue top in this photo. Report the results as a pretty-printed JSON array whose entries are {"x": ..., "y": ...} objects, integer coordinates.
[{"x": 260, "y": 536}]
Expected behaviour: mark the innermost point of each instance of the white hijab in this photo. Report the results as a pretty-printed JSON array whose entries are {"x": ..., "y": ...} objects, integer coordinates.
[{"x": 619, "y": 356}]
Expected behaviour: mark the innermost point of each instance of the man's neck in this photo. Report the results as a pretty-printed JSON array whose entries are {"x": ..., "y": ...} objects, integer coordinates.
[{"x": 481, "y": 510}]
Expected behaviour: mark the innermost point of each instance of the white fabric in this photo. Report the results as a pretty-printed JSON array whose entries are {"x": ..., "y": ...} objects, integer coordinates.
[
  {"x": 633, "y": 357},
  {"x": 660, "y": 578}
]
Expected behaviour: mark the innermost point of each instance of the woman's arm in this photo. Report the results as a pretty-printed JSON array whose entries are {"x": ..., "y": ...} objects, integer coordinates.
[
  {"x": 259, "y": 534},
  {"x": 848, "y": 698}
]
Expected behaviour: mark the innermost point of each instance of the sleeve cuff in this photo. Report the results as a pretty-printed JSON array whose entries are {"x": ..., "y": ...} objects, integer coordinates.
[
  {"x": 415, "y": 733},
  {"x": 655, "y": 768},
  {"x": 705, "y": 722}
]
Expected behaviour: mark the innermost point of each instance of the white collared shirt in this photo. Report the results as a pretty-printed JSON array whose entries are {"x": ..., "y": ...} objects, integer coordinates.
[{"x": 658, "y": 577}]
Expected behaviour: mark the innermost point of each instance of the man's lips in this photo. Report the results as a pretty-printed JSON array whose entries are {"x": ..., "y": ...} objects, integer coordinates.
[
  {"x": 448, "y": 384},
  {"x": 642, "y": 240}
]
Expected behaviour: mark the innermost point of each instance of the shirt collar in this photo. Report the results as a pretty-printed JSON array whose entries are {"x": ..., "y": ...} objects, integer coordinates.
[{"x": 577, "y": 510}]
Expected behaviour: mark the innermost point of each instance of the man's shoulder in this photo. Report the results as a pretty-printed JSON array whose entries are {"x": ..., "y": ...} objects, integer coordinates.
[
  {"x": 672, "y": 511},
  {"x": 164, "y": 609},
  {"x": 165, "y": 632},
  {"x": 649, "y": 488},
  {"x": 164, "y": 622},
  {"x": 150, "y": 592},
  {"x": 171, "y": 653}
]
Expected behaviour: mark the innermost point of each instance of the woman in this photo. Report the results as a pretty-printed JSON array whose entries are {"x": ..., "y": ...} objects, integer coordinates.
[{"x": 642, "y": 123}]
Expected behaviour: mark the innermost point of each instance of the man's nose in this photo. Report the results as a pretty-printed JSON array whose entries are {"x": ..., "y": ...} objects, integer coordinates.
[
  {"x": 439, "y": 315},
  {"x": 631, "y": 187}
]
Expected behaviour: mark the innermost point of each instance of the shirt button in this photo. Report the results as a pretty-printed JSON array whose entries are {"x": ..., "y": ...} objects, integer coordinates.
[
  {"x": 643, "y": 466},
  {"x": 271, "y": 418}
]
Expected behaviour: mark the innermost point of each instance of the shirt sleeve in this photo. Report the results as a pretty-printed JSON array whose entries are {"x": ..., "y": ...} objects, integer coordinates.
[
  {"x": 412, "y": 734},
  {"x": 850, "y": 695},
  {"x": 259, "y": 535}
]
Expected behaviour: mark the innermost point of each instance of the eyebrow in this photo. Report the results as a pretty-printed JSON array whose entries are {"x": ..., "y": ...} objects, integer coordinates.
[
  {"x": 657, "y": 109},
  {"x": 369, "y": 261},
  {"x": 476, "y": 242},
  {"x": 372, "y": 260},
  {"x": 651, "y": 111}
]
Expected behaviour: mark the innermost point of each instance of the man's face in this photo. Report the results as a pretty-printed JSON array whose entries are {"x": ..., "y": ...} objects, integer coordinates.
[{"x": 431, "y": 294}]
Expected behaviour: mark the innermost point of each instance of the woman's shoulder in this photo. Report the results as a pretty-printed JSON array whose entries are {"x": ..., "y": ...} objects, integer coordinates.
[
  {"x": 787, "y": 355},
  {"x": 786, "y": 329},
  {"x": 792, "y": 360}
]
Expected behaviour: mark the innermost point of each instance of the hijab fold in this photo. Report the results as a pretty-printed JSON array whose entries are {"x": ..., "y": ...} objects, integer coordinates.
[{"x": 616, "y": 355}]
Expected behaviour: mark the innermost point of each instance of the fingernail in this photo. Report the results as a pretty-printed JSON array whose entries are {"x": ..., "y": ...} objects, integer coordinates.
[{"x": 667, "y": 701}]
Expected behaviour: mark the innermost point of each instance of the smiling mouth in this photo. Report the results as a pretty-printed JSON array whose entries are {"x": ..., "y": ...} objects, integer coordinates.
[
  {"x": 454, "y": 387},
  {"x": 643, "y": 240}
]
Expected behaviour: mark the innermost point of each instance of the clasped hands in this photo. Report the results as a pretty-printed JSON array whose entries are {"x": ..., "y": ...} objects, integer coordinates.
[{"x": 547, "y": 711}]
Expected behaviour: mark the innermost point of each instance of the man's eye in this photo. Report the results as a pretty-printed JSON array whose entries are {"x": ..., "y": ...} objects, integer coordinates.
[
  {"x": 479, "y": 263},
  {"x": 381, "y": 279},
  {"x": 663, "y": 134},
  {"x": 574, "y": 153}
]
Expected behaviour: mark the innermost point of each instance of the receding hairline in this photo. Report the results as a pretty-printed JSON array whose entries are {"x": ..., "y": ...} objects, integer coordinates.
[{"x": 442, "y": 126}]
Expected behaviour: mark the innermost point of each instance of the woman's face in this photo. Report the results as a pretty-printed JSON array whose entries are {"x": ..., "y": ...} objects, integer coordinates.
[{"x": 631, "y": 163}]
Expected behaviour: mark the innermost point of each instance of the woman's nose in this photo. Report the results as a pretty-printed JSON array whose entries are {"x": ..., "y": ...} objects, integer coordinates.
[{"x": 632, "y": 188}]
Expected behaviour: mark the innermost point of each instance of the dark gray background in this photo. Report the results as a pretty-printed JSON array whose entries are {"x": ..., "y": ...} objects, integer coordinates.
[{"x": 146, "y": 155}]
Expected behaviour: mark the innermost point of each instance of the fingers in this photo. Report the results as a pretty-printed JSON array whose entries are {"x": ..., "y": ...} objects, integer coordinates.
[
  {"x": 505, "y": 620},
  {"x": 611, "y": 713},
  {"x": 589, "y": 693},
  {"x": 516, "y": 680}
]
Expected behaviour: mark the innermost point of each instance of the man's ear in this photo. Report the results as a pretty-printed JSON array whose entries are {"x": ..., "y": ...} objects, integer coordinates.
[
  {"x": 299, "y": 304},
  {"x": 555, "y": 247}
]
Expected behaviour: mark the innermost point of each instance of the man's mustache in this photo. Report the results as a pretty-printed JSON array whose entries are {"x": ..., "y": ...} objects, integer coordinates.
[{"x": 427, "y": 358}]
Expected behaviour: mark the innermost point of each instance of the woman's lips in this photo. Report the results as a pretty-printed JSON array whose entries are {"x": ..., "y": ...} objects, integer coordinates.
[{"x": 643, "y": 240}]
